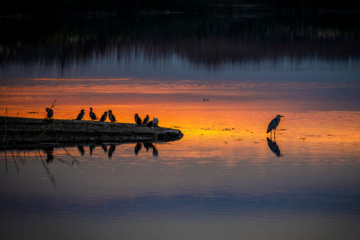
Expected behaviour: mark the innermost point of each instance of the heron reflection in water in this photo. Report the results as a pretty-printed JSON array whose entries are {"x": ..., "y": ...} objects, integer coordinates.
[{"x": 274, "y": 147}]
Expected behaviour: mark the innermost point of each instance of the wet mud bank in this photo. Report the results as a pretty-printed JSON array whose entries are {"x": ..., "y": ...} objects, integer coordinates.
[{"x": 15, "y": 131}]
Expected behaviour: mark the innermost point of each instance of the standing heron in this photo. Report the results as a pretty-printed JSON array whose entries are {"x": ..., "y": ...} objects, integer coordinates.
[
  {"x": 92, "y": 115},
  {"x": 138, "y": 120},
  {"x": 146, "y": 120},
  {"x": 50, "y": 113},
  {"x": 103, "y": 117},
  {"x": 111, "y": 116},
  {"x": 273, "y": 124},
  {"x": 81, "y": 115}
]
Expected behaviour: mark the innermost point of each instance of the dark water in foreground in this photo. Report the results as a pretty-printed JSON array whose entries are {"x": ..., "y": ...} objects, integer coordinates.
[{"x": 220, "y": 81}]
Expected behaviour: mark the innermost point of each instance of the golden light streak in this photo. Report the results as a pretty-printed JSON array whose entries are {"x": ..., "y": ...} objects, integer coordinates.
[{"x": 180, "y": 104}]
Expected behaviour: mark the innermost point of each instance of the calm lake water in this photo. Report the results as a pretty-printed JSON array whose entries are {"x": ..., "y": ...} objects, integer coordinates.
[{"x": 220, "y": 81}]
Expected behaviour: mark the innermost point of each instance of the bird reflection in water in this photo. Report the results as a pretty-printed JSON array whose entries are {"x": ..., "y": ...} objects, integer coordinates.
[
  {"x": 91, "y": 148},
  {"x": 111, "y": 150},
  {"x": 104, "y": 147},
  {"x": 274, "y": 147},
  {"x": 49, "y": 154},
  {"x": 81, "y": 149},
  {"x": 137, "y": 148},
  {"x": 150, "y": 145}
]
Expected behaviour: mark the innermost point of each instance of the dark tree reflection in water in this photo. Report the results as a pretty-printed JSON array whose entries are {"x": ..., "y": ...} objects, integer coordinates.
[{"x": 209, "y": 41}]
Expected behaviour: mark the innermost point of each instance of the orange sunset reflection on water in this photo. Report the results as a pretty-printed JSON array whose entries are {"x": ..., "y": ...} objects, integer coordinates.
[{"x": 211, "y": 114}]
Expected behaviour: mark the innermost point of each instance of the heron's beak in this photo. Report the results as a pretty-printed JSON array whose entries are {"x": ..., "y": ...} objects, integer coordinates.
[{"x": 282, "y": 116}]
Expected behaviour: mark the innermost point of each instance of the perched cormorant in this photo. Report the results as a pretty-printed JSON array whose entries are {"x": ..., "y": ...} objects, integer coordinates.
[
  {"x": 155, "y": 122},
  {"x": 50, "y": 113},
  {"x": 274, "y": 123},
  {"x": 103, "y": 117},
  {"x": 138, "y": 120},
  {"x": 81, "y": 115},
  {"x": 146, "y": 120},
  {"x": 111, "y": 116},
  {"x": 149, "y": 124},
  {"x": 92, "y": 115}
]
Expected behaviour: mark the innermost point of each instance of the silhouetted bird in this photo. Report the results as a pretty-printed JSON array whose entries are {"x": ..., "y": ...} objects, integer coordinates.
[
  {"x": 81, "y": 115},
  {"x": 92, "y": 115},
  {"x": 103, "y": 117},
  {"x": 50, "y": 113},
  {"x": 150, "y": 124},
  {"x": 138, "y": 120},
  {"x": 146, "y": 120},
  {"x": 111, "y": 116},
  {"x": 155, "y": 122},
  {"x": 137, "y": 148},
  {"x": 274, "y": 123}
]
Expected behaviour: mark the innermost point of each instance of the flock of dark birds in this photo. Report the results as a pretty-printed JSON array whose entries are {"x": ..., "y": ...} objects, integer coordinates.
[
  {"x": 138, "y": 120},
  {"x": 154, "y": 123}
]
